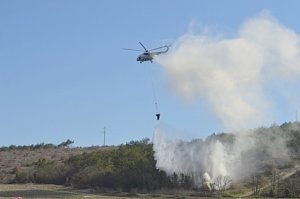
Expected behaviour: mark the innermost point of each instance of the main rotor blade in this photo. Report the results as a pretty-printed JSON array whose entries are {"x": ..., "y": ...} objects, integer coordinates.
[
  {"x": 158, "y": 48},
  {"x": 131, "y": 49},
  {"x": 143, "y": 46}
]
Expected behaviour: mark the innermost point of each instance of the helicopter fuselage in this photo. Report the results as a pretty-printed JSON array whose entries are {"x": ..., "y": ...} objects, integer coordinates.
[{"x": 145, "y": 57}]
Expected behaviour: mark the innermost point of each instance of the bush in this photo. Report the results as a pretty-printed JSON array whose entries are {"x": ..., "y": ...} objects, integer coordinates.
[{"x": 50, "y": 172}]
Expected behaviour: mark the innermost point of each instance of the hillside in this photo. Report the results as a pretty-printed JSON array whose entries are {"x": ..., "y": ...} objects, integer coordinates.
[
  {"x": 132, "y": 167},
  {"x": 22, "y": 158}
]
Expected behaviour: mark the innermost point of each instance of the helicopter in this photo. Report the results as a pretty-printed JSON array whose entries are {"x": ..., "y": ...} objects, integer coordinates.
[{"x": 148, "y": 55}]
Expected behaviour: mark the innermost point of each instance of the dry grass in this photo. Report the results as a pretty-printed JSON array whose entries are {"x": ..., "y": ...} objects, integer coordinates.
[
  {"x": 24, "y": 159},
  {"x": 45, "y": 192},
  {"x": 23, "y": 191}
]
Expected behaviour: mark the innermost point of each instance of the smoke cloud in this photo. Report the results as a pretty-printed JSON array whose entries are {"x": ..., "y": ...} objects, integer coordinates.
[
  {"x": 233, "y": 76},
  {"x": 234, "y": 155},
  {"x": 238, "y": 79}
]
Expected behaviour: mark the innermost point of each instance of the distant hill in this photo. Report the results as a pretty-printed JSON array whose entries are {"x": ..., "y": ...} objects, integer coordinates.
[{"x": 22, "y": 158}]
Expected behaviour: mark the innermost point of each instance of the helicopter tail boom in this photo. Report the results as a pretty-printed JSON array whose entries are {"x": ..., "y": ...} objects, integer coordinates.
[{"x": 161, "y": 52}]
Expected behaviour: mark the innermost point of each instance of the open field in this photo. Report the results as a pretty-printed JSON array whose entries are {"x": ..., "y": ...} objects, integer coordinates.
[
  {"x": 14, "y": 191},
  {"x": 47, "y": 191}
]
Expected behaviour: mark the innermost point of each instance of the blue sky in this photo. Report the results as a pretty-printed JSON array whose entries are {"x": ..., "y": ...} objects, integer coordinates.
[{"x": 64, "y": 75}]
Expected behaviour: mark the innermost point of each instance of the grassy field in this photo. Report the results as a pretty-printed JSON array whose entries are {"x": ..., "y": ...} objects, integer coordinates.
[
  {"x": 45, "y": 192},
  {"x": 14, "y": 191}
]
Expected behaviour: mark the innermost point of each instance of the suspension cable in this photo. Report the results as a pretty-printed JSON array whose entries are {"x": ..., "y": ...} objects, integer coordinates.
[{"x": 157, "y": 114}]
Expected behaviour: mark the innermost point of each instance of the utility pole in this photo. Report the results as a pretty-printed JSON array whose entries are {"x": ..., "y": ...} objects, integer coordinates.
[
  {"x": 104, "y": 132},
  {"x": 296, "y": 115}
]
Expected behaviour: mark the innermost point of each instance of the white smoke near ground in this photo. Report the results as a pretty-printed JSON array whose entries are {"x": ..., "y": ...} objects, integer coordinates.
[
  {"x": 232, "y": 76},
  {"x": 232, "y": 155}
]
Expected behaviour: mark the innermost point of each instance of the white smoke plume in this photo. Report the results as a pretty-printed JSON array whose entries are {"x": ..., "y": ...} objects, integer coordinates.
[
  {"x": 234, "y": 155},
  {"x": 233, "y": 76}
]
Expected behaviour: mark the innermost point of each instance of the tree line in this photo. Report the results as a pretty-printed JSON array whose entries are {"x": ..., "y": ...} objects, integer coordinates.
[
  {"x": 125, "y": 168},
  {"x": 42, "y": 145}
]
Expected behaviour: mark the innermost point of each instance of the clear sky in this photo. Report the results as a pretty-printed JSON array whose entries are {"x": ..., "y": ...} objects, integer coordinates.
[{"x": 64, "y": 75}]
